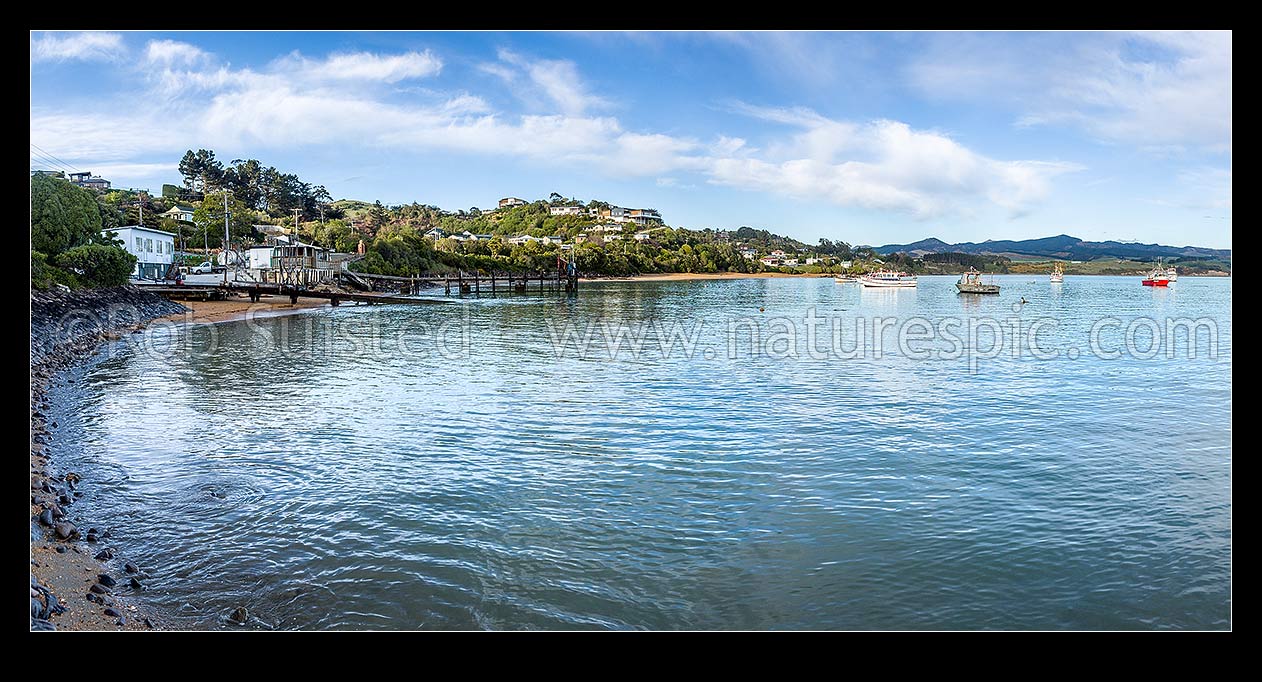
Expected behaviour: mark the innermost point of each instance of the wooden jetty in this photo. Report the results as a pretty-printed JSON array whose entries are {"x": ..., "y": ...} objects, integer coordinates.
[
  {"x": 388, "y": 289},
  {"x": 477, "y": 283},
  {"x": 218, "y": 292}
]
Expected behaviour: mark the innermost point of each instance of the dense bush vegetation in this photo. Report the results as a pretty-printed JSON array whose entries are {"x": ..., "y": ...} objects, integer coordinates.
[
  {"x": 97, "y": 265},
  {"x": 67, "y": 246}
]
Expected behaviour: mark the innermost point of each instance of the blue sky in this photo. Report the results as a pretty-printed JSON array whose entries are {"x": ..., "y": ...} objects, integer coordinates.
[{"x": 870, "y": 138}]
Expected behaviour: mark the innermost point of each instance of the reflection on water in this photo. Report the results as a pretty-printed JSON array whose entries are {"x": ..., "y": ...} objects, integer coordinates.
[{"x": 327, "y": 483}]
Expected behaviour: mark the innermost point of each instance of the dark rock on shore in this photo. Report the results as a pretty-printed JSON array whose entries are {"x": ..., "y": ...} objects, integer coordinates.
[
  {"x": 112, "y": 612},
  {"x": 239, "y": 615},
  {"x": 107, "y": 580},
  {"x": 136, "y": 584},
  {"x": 130, "y": 568},
  {"x": 67, "y": 326},
  {"x": 62, "y": 320}
]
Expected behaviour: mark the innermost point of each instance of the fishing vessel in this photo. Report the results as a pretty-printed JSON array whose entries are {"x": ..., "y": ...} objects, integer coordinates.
[
  {"x": 887, "y": 279},
  {"x": 971, "y": 283},
  {"x": 1058, "y": 274},
  {"x": 1172, "y": 273},
  {"x": 1157, "y": 278}
]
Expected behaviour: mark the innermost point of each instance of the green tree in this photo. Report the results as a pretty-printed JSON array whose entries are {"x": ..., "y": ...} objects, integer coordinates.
[
  {"x": 98, "y": 264},
  {"x": 378, "y": 216},
  {"x": 189, "y": 170},
  {"x": 208, "y": 219},
  {"x": 209, "y": 170},
  {"x": 62, "y": 216}
]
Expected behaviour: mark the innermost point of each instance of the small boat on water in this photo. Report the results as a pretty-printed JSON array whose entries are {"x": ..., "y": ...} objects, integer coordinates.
[
  {"x": 1157, "y": 278},
  {"x": 845, "y": 279},
  {"x": 887, "y": 279},
  {"x": 1172, "y": 274},
  {"x": 1058, "y": 274},
  {"x": 971, "y": 283}
]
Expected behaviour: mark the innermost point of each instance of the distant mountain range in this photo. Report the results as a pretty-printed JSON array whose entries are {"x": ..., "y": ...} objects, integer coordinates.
[{"x": 1061, "y": 246}]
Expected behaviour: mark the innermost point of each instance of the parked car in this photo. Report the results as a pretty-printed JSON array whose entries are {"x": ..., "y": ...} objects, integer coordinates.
[{"x": 205, "y": 268}]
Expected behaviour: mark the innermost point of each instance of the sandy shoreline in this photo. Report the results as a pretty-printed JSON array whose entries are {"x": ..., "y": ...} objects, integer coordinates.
[
  {"x": 210, "y": 312},
  {"x": 78, "y": 580}
]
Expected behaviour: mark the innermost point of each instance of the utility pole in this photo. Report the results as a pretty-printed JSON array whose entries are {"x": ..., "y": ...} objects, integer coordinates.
[
  {"x": 294, "y": 248},
  {"x": 226, "y": 215}
]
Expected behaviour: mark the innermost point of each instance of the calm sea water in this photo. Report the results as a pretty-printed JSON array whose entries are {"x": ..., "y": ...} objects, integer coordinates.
[{"x": 386, "y": 469}]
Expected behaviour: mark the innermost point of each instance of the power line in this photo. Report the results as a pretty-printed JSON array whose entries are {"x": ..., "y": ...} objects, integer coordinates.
[
  {"x": 44, "y": 161},
  {"x": 49, "y": 162},
  {"x": 51, "y": 156}
]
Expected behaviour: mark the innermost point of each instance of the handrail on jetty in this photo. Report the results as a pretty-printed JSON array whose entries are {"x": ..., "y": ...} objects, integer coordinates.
[{"x": 564, "y": 280}]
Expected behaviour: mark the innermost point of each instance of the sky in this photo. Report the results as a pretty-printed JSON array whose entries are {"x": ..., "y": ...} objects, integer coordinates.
[{"x": 868, "y": 138}]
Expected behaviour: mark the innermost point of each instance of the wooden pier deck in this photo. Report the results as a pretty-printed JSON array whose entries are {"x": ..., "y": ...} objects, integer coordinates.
[
  {"x": 385, "y": 289},
  {"x": 217, "y": 292}
]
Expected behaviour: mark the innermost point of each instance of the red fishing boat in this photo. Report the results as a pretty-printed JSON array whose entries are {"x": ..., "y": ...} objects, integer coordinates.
[{"x": 1157, "y": 278}]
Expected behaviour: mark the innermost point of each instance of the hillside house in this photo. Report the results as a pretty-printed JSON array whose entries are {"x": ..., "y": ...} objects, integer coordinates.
[
  {"x": 89, "y": 181},
  {"x": 154, "y": 250},
  {"x": 181, "y": 213}
]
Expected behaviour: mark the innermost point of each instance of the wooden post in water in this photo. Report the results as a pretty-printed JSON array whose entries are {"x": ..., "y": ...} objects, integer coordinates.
[{"x": 492, "y": 283}]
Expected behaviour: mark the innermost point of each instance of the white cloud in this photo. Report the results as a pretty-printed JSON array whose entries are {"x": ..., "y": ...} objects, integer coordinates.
[
  {"x": 365, "y": 66},
  {"x": 884, "y": 165},
  {"x": 558, "y": 80},
  {"x": 86, "y": 46},
  {"x": 135, "y": 170},
  {"x": 1202, "y": 188},
  {"x": 89, "y": 139},
  {"x": 1152, "y": 90},
  {"x": 173, "y": 52}
]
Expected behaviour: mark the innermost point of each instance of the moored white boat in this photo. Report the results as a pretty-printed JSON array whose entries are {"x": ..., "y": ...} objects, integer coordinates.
[
  {"x": 887, "y": 279},
  {"x": 1058, "y": 274},
  {"x": 1172, "y": 274}
]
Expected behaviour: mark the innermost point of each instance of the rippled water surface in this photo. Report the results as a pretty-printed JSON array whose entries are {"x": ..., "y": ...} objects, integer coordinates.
[{"x": 385, "y": 471}]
